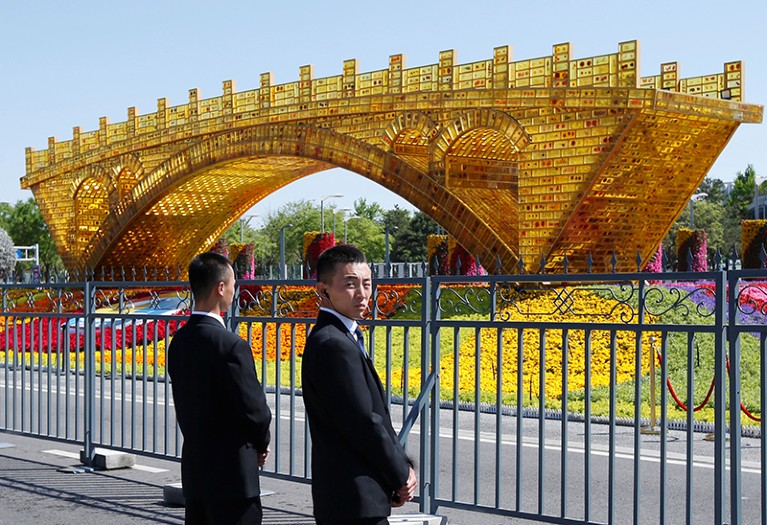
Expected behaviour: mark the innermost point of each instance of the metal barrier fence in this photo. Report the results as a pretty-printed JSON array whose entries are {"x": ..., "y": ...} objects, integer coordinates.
[{"x": 520, "y": 395}]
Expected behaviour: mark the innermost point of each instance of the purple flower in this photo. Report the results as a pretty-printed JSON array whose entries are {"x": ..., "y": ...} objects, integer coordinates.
[{"x": 751, "y": 296}]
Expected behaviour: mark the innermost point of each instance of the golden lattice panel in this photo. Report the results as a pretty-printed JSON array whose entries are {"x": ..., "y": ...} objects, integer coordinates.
[{"x": 547, "y": 156}]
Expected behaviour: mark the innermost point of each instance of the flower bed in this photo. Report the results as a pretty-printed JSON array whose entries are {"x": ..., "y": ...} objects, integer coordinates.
[
  {"x": 602, "y": 312},
  {"x": 694, "y": 300},
  {"x": 752, "y": 299},
  {"x": 51, "y": 333}
]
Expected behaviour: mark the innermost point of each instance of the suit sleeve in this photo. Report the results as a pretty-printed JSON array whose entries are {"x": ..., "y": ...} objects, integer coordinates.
[
  {"x": 346, "y": 399},
  {"x": 246, "y": 394}
]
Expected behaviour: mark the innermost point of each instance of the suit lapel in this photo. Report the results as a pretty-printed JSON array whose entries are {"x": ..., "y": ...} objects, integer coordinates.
[{"x": 328, "y": 318}]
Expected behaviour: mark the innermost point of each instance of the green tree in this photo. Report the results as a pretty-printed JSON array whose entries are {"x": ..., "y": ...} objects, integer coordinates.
[
  {"x": 248, "y": 234},
  {"x": 303, "y": 216},
  {"x": 411, "y": 241},
  {"x": 742, "y": 195},
  {"x": 297, "y": 217},
  {"x": 396, "y": 221},
  {"x": 368, "y": 236},
  {"x": 729, "y": 221},
  {"x": 711, "y": 217},
  {"x": 27, "y": 227},
  {"x": 715, "y": 190},
  {"x": 6, "y": 210},
  {"x": 372, "y": 212}
]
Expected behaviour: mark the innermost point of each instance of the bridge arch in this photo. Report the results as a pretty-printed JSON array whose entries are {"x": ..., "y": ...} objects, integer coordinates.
[
  {"x": 127, "y": 171},
  {"x": 416, "y": 121},
  {"x": 409, "y": 135},
  {"x": 148, "y": 217},
  {"x": 489, "y": 119}
]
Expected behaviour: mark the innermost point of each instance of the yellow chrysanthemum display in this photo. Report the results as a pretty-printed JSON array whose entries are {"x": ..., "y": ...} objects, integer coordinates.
[{"x": 529, "y": 309}]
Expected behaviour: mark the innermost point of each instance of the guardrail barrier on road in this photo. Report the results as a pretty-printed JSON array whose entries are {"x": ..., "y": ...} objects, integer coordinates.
[{"x": 520, "y": 395}]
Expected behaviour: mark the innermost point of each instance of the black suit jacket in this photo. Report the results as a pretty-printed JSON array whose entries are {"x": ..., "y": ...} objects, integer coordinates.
[
  {"x": 221, "y": 409},
  {"x": 357, "y": 461}
]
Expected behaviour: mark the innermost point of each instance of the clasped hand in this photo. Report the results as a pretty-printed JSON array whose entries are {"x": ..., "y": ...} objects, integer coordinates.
[
  {"x": 262, "y": 458},
  {"x": 407, "y": 491}
]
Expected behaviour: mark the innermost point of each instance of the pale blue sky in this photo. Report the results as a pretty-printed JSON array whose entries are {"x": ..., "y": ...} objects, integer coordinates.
[{"x": 65, "y": 64}]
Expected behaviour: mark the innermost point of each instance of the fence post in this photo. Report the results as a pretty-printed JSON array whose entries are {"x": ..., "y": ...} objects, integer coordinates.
[
  {"x": 89, "y": 401},
  {"x": 426, "y": 493},
  {"x": 638, "y": 399},
  {"x": 721, "y": 321},
  {"x": 736, "y": 503},
  {"x": 435, "y": 400}
]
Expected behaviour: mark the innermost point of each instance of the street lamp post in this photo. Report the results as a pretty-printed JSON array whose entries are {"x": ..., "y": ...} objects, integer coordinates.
[
  {"x": 347, "y": 219},
  {"x": 343, "y": 211},
  {"x": 757, "y": 180},
  {"x": 283, "y": 268},
  {"x": 322, "y": 208},
  {"x": 245, "y": 219},
  {"x": 694, "y": 198}
]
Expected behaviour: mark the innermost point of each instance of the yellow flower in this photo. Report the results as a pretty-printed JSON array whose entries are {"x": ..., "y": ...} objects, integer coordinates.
[{"x": 490, "y": 372}]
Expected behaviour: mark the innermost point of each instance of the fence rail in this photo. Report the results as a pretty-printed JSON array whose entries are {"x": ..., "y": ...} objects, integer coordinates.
[{"x": 530, "y": 395}]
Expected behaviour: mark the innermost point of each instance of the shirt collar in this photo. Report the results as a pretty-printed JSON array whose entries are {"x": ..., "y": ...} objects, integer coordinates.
[
  {"x": 211, "y": 314},
  {"x": 350, "y": 324}
]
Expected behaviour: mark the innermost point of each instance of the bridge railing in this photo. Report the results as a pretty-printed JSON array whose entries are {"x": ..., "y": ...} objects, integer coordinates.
[
  {"x": 558, "y": 70},
  {"x": 535, "y": 389}
]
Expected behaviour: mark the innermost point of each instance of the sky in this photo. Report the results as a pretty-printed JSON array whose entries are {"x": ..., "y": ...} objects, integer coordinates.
[{"x": 65, "y": 64}]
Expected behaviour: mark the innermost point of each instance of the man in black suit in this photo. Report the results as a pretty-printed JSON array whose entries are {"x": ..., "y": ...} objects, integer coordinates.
[
  {"x": 359, "y": 468},
  {"x": 220, "y": 405}
]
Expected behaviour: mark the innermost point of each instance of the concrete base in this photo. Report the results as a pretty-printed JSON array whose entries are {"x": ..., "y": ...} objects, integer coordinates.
[
  {"x": 173, "y": 494},
  {"x": 109, "y": 459}
]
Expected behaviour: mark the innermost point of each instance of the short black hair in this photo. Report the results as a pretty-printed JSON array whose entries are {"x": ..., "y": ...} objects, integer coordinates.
[
  {"x": 205, "y": 271},
  {"x": 338, "y": 254}
]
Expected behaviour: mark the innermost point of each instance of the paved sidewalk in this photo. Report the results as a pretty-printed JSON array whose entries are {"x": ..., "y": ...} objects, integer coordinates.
[{"x": 33, "y": 490}]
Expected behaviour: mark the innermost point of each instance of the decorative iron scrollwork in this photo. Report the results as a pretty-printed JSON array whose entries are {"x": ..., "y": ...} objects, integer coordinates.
[
  {"x": 660, "y": 300},
  {"x": 389, "y": 300}
]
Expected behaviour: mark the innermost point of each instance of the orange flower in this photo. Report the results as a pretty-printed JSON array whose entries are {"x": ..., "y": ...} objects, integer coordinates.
[{"x": 288, "y": 336}]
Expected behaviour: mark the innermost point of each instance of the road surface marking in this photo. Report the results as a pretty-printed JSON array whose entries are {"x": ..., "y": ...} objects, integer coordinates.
[{"x": 75, "y": 455}]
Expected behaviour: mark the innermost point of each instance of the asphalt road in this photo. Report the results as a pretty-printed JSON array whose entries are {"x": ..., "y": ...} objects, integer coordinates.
[{"x": 134, "y": 414}]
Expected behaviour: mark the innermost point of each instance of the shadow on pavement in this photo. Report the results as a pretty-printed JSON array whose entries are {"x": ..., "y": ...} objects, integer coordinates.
[{"x": 108, "y": 492}]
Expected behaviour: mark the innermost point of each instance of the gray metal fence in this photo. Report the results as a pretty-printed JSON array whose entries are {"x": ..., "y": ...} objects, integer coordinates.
[{"x": 519, "y": 395}]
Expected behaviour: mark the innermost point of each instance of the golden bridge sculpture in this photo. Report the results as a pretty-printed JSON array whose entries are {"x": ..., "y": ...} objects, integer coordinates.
[{"x": 549, "y": 157}]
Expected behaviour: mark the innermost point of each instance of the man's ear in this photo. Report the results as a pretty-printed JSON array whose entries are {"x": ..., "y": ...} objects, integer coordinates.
[{"x": 220, "y": 288}]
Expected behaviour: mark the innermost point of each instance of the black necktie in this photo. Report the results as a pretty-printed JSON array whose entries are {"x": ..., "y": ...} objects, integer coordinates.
[{"x": 360, "y": 341}]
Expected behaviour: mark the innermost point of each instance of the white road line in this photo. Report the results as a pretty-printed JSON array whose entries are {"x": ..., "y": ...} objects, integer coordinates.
[
  {"x": 81, "y": 394},
  {"x": 75, "y": 455},
  {"x": 145, "y": 468},
  {"x": 485, "y": 437},
  {"x": 62, "y": 453},
  {"x": 600, "y": 450}
]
